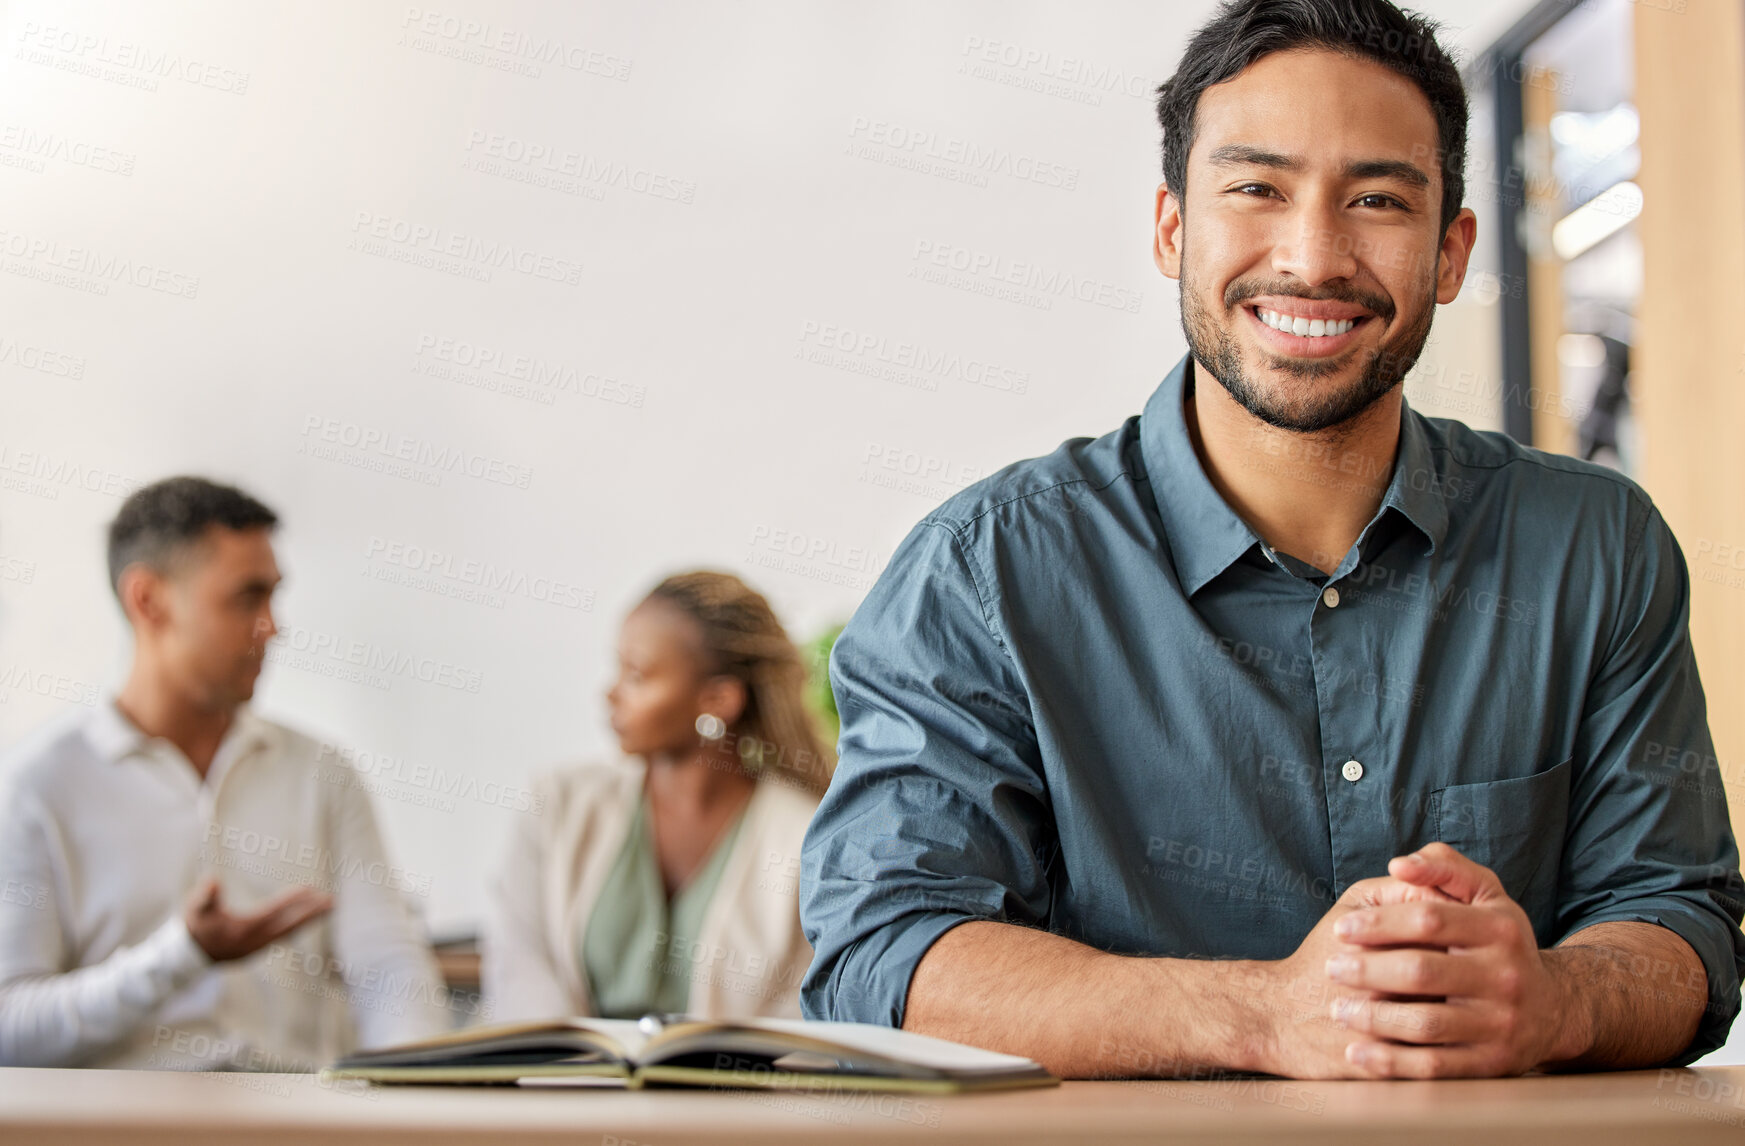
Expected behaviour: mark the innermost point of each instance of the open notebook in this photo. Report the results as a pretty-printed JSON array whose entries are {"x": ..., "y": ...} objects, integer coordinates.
[{"x": 779, "y": 1053}]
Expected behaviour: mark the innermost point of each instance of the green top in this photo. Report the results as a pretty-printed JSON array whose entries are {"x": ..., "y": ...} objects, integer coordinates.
[{"x": 634, "y": 943}]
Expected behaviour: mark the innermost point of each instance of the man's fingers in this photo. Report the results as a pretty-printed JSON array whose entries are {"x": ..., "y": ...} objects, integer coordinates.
[
  {"x": 1376, "y": 1059},
  {"x": 285, "y": 914},
  {"x": 1382, "y": 889},
  {"x": 287, "y": 898},
  {"x": 294, "y": 915},
  {"x": 307, "y": 904},
  {"x": 1440, "y": 866},
  {"x": 1427, "y": 1023},
  {"x": 1411, "y": 971},
  {"x": 273, "y": 929},
  {"x": 1433, "y": 924}
]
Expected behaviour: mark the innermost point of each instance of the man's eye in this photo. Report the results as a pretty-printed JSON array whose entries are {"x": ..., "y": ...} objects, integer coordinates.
[
  {"x": 1246, "y": 187},
  {"x": 1380, "y": 200}
]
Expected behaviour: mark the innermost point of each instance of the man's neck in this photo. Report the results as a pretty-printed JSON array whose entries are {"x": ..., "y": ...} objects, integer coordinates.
[
  {"x": 1308, "y": 495},
  {"x": 157, "y": 708}
]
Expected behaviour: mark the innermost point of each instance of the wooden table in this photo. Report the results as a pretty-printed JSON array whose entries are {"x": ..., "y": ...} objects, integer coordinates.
[{"x": 1686, "y": 1107}]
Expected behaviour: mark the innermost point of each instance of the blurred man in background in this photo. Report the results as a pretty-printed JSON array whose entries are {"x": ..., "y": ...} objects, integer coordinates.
[{"x": 181, "y": 889}]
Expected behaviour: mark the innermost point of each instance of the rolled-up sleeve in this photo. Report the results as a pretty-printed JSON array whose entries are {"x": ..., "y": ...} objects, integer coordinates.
[
  {"x": 937, "y": 814},
  {"x": 1649, "y": 838}
]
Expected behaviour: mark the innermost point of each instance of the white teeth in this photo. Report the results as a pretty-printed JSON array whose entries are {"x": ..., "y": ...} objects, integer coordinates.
[{"x": 1305, "y": 327}]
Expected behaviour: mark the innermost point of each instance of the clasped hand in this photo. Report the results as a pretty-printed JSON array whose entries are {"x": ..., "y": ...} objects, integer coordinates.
[{"x": 1429, "y": 972}]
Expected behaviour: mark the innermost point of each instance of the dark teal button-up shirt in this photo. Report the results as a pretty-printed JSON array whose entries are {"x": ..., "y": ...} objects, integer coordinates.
[{"x": 1085, "y": 696}]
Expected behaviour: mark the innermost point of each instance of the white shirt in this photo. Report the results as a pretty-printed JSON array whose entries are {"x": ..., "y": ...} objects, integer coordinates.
[{"x": 103, "y": 833}]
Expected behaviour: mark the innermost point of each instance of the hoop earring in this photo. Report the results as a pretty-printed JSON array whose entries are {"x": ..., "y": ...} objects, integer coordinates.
[{"x": 711, "y": 727}]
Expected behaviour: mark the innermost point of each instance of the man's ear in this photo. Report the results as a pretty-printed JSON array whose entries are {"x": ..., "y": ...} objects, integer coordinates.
[
  {"x": 1166, "y": 236},
  {"x": 141, "y": 590},
  {"x": 1455, "y": 256}
]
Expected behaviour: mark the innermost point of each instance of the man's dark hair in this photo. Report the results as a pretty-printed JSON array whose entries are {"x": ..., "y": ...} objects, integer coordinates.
[
  {"x": 161, "y": 521},
  {"x": 1243, "y": 31}
]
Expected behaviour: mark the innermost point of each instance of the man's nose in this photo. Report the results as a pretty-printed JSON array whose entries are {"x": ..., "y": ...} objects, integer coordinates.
[{"x": 1320, "y": 247}]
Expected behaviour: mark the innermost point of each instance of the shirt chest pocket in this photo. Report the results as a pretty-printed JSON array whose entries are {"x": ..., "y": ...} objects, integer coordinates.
[{"x": 1515, "y": 828}]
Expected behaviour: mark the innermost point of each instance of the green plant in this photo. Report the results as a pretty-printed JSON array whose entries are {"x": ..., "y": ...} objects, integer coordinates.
[{"x": 819, "y": 699}]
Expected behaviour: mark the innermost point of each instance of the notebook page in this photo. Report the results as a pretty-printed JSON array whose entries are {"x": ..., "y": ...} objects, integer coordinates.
[{"x": 906, "y": 1046}]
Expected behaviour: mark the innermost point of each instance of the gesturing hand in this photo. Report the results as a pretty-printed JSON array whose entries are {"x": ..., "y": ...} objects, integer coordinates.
[
  {"x": 1479, "y": 1000},
  {"x": 225, "y": 936}
]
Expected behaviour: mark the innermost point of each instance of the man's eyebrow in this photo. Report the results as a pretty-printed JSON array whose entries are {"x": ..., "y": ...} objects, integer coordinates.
[
  {"x": 1397, "y": 169},
  {"x": 1242, "y": 155}
]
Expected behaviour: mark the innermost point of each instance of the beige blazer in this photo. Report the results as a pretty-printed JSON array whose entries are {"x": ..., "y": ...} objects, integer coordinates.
[{"x": 746, "y": 963}]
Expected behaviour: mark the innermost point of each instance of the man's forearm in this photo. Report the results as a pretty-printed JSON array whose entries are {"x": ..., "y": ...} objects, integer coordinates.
[
  {"x": 1636, "y": 994},
  {"x": 1084, "y": 1013},
  {"x": 64, "y": 1019}
]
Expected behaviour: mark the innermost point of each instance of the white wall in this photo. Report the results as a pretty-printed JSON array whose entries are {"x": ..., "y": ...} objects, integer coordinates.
[{"x": 687, "y": 427}]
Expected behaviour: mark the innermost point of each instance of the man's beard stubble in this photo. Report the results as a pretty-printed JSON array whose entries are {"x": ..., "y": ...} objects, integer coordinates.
[{"x": 1216, "y": 348}]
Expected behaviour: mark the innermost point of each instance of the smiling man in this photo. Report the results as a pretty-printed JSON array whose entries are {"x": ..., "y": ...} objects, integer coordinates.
[{"x": 1284, "y": 729}]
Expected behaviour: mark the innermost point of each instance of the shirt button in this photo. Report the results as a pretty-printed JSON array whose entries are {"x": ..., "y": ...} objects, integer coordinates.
[
  {"x": 1331, "y": 596},
  {"x": 1352, "y": 771}
]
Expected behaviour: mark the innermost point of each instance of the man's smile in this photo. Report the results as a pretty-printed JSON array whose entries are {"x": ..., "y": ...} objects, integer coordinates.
[{"x": 1300, "y": 328}]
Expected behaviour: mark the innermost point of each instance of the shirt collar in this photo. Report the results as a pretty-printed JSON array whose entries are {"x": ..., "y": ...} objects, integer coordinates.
[
  {"x": 1419, "y": 491},
  {"x": 116, "y": 738},
  {"x": 112, "y": 735},
  {"x": 1205, "y": 536}
]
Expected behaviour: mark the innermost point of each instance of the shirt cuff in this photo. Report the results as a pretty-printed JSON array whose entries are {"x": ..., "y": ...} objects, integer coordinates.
[
  {"x": 870, "y": 982},
  {"x": 172, "y": 954}
]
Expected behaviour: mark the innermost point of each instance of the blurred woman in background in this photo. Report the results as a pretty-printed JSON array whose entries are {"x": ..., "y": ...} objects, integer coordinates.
[{"x": 667, "y": 880}]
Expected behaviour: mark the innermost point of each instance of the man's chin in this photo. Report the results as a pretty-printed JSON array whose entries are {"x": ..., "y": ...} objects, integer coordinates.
[
  {"x": 1308, "y": 406},
  {"x": 242, "y": 690},
  {"x": 1334, "y": 371}
]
